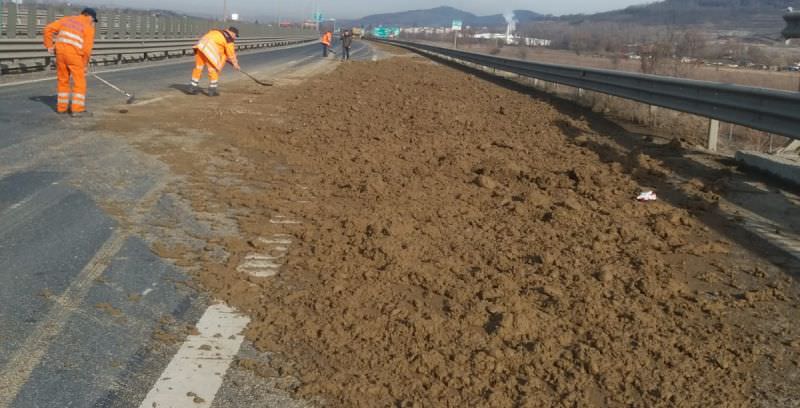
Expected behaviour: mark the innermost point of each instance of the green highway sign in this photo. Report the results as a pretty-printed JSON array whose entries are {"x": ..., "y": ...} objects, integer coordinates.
[{"x": 385, "y": 32}]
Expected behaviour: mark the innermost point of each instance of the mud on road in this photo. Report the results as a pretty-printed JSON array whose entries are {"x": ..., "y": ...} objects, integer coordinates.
[{"x": 456, "y": 243}]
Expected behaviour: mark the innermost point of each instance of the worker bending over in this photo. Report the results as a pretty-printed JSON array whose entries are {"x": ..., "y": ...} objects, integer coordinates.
[
  {"x": 212, "y": 51},
  {"x": 72, "y": 46}
]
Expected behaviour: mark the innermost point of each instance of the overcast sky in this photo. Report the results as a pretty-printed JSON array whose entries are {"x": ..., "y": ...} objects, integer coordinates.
[{"x": 359, "y": 8}]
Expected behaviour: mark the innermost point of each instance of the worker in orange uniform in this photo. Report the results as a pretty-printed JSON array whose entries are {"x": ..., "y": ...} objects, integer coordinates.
[
  {"x": 72, "y": 46},
  {"x": 212, "y": 51},
  {"x": 326, "y": 42}
]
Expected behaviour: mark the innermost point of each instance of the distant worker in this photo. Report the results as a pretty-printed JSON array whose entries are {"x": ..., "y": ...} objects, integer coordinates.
[
  {"x": 74, "y": 41},
  {"x": 347, "y": 42},
  {"x": 212, "y": 51},
  {"x": 326, "y": 42}
]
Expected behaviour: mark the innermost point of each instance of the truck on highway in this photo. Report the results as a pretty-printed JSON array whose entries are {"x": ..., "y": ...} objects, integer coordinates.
[{"x": 358, "y": 32}]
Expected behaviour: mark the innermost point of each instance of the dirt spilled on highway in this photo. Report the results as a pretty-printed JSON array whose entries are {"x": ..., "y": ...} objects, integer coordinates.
[{"x": 455, "y": 243}]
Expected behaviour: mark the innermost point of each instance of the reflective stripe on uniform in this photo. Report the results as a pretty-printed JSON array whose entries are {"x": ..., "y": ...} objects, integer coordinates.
[
  {"x": 209, "y": 50},
  {"x": 70, "y": 42},
  {"x": 78, "y": 96},
  {"x": 78, "y": 102},
  {"x": 71, "y": 35}
]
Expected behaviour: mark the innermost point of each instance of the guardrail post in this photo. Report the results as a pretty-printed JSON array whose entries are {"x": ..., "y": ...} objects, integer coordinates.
[
  {"x": 184, "y": 27},
  {"x": 149, "y": 24},
  {"x": 138, "y": 29},
  {"x": 172, "y": 24},
  {"x": 11, "y": 27},
  {"x": 115, "y": 25},
  {"x": 30, "y": 29},
  {"x": 713, "y": 134},
  {"x": 51, "y": 15}
]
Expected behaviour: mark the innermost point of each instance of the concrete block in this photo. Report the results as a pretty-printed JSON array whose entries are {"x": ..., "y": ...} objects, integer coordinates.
[{"x": 784, "y": 167}]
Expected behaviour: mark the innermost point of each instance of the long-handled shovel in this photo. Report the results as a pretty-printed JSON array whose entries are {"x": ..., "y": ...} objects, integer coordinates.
[
  {"x": 262, "y": 83},
  {"x": 131, "y": 96}
]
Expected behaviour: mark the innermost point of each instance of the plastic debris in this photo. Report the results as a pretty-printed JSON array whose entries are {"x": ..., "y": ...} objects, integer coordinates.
[{"x": 647, "y": 196}]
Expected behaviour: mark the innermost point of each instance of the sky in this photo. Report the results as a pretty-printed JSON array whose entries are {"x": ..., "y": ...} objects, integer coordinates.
[{"x": 351, "y": 9}]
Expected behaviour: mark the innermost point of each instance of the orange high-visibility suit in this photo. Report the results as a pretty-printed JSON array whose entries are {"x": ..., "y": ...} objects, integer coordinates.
[
  {"x": 326, "y": 38},
  {"x": 326, "y": 42},
  {"x": 213, "y": 50},
  {"x": 73, "y": 47}
]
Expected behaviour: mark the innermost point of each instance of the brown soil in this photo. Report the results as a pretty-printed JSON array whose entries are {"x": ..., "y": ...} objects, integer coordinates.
[{"x": 466, "y": 245}]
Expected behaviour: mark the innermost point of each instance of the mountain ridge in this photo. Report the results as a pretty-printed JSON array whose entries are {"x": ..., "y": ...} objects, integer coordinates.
[{"x": 441, "y": 16}]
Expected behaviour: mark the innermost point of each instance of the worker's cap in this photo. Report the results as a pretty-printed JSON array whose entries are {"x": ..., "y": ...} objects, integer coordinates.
[
  {"x": 234, "y": 30},
  {"x": 90, "y": 12}
]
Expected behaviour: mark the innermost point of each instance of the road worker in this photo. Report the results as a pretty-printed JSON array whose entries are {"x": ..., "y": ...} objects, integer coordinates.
[
  {"x": 212, "y": 51},
  {"x": 72, "y": 47},
  {"x": 326, "y": 42}
]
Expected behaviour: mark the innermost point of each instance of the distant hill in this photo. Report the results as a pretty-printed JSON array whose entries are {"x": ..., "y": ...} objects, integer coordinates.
[
  {"x": 441, "y": 17},
  {"x": 722, "y": 14}
]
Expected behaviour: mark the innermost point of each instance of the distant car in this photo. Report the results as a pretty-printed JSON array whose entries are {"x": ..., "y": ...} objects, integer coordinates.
[{"x": 791, "y": 68}]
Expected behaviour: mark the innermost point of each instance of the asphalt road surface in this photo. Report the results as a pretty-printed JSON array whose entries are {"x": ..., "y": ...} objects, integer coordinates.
[{"x": 85, "y": 306}]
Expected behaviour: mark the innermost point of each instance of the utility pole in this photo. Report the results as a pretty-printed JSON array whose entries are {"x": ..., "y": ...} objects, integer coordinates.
[{"x": 224, "y": 11}]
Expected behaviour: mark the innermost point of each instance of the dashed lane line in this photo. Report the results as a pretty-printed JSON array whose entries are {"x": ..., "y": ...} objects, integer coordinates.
[{"x": 195, "y": 373}]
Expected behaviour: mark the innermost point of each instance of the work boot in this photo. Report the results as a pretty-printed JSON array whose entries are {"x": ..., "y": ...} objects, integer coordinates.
[
  {"x": 83, "y": 114},
  {"x": 213, "y": 92},
  {"x": 193, "y": 90}
]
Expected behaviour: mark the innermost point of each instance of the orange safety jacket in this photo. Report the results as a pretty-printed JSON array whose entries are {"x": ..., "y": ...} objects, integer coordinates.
[
  {"x": 326, "y": 38},
  {"x": 218, "y": 47},
  {"x": 74, "y": 34}
]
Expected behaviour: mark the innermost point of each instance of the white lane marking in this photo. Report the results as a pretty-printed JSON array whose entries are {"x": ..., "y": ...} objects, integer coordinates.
[
  {"x": 278, "y": 239},
  {"x": 280, "y": 219},
  {"x": 268, "y": 262},
  {"x": 146, "y": 291},
  {"x": 195, "y": 373}
]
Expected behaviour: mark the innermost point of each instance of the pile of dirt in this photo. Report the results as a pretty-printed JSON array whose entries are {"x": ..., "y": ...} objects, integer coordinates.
[{"x": 462, "y": 244}]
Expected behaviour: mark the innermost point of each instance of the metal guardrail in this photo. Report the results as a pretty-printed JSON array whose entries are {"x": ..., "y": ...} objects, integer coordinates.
[
  {"x": 30, "y": 54},
  {"x": 769, "y": 110}
]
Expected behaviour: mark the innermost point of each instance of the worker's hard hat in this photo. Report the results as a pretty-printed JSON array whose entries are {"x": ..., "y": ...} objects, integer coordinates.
[{"x": 90, "y": 12}]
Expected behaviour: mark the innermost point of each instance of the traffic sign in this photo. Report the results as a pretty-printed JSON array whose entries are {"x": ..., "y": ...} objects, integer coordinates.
[{"x": 457, "y": 25}]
